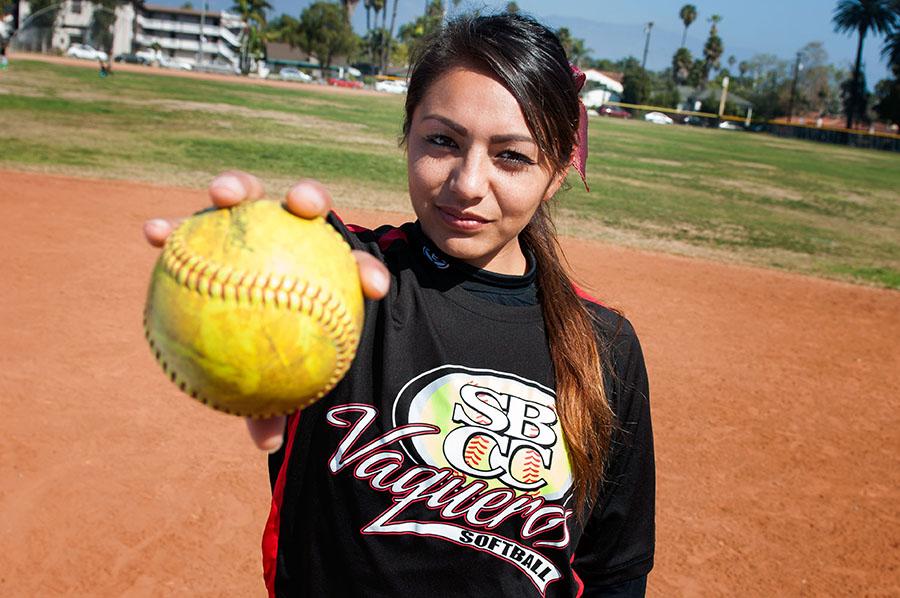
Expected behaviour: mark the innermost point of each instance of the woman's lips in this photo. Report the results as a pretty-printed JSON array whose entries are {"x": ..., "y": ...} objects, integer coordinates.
[{"x": 461, "y": 220}]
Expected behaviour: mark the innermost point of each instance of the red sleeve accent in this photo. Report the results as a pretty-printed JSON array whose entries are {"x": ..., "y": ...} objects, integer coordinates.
[
  {"x": 385, "y": 240},
  {"x": 578, "y": 581},
  {"x": 581, "y": 293},
  {"x": 273, "y": 523}
]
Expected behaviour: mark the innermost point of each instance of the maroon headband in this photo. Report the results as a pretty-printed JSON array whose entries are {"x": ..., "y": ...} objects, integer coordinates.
[{"x": 580, "y": 154}]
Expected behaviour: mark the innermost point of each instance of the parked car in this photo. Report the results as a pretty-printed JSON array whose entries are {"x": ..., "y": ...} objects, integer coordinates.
[
  {"x": 613, "y": 111},
  {"x": 345, "y": 83},
  {"x": 658, "y": 118},
  {"x": 391, "y": 86},
  {"x": 86, "y": 52},
  {"x": 175, "y": 63},
  {"x": 292, "y": 74},
  {"x": 731, "y": 126},
  {"x": 131, "y": 59}
]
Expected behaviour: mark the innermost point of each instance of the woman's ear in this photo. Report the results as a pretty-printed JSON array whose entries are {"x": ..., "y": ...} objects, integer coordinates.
[{"x": 556, "y": 182}]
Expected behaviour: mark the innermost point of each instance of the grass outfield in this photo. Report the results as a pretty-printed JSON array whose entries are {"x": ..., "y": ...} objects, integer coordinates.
[{"x": 813, "y": 208}]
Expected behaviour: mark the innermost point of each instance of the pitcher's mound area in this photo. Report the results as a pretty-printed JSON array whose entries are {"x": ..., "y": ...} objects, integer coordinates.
[{"x": 776, "y": 406}]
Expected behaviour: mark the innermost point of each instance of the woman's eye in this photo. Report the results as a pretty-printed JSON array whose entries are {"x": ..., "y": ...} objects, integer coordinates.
[
  {"x": 440, "y": 140},
  {"x": 516, "y": 158}
]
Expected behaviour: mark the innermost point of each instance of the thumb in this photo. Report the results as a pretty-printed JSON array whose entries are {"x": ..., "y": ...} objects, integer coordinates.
[{"x": 267, "y": 434}]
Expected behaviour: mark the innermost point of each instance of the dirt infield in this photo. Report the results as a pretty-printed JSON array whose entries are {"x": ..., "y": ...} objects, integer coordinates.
[{"x": 776, "y": 405}]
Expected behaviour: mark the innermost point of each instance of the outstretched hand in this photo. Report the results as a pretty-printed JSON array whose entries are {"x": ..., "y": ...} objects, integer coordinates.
[{"x": 306, "y": 199}]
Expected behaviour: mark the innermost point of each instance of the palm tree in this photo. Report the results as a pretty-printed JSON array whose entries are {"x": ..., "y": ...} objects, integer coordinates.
[
  {"x": 681, "y": 65},
  {"x": 349, "y": 7},
  {"x": 688, "y": 14},
  {"x": 713, "y": 49},
  {"x": 862, "y": 16},
  {"x": 253, "y": 14},
  {"x": 891, "y": 51},
  {"x": 386, "y": 52}
]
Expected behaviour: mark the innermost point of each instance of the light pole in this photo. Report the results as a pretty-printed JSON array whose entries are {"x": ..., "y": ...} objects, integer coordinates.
[
  {"x": 647, "y": 29},
  {"x": 202, "y": 34},
  {"x": 797, "y": 68}
]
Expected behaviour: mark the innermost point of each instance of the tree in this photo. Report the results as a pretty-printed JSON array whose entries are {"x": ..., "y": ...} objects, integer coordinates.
[
  {"x": 512, "y": 8},
  {"x": 862, "y": 16},
  {"x": 636, "y": 82},
  {"x": 253, "y": 14},
  {"x": 891, "y": 51},
  {"x": 713, "y": 49},
  {"x": 818, "y": 84},
  {"x": 688, "y": 14},
  {"x": 887, "y": 100},
  {"x": 375, "y": 6},
  {"x": 100, "y": 29},
  {"x": 389, "y": 38},
  {"x": 349, "y": 7},
  {"x": 42, "y": 22},
  {"x": 855, "y": 99},
  {"x": 412, "y": 34},
  {"x": 324, "y": 31},
  {"x": 575, "y": 47},
  {"x": 681, "y": 65}
]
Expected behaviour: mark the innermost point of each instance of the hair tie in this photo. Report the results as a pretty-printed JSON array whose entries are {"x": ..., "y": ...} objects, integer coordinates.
[{"x": 580, "y": 152}]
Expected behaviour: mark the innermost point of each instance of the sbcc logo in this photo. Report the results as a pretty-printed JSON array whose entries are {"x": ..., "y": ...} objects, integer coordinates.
[{"x": 494, "y": 426}]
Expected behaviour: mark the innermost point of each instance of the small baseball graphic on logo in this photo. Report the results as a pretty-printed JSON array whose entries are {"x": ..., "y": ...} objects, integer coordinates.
[
  {"x": 253, "y": 310},
  {"x": 480, "y": 445},
  {"x": 494, "y": 426}
]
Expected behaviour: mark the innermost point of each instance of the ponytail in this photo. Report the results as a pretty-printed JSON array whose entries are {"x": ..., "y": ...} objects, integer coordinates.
[{"x": 581, "y": 403}]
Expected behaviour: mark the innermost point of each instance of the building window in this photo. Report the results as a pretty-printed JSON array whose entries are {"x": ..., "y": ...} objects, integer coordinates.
[{"x": 76, "y": 7}]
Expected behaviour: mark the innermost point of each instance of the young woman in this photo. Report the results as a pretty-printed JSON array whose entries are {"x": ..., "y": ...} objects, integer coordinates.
[{"x": 493, "y": 435}]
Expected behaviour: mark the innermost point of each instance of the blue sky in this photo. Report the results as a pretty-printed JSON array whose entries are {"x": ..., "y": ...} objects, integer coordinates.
[{"x": 614, "y": 29}]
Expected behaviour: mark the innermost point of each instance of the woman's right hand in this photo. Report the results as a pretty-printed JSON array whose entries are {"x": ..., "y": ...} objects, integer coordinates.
[{"x": 306, "y": 199}]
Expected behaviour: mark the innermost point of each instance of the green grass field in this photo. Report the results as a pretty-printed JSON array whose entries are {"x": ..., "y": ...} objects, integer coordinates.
[{"x": 813, "y": 208}]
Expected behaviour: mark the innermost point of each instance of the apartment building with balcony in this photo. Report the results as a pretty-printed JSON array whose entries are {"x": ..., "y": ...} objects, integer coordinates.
[
  {"x": 178, "y": 34},
  {"x": 188, "y": 36},
  {"x": 73, "y": 22}
]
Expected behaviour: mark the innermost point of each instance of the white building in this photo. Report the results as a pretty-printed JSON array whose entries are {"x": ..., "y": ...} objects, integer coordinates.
[
  {"x": 73, "y": 21},
  {"x": 178, "y": 33},
  {"x": 168, "y": 33},
  {"x": 601, "y": 90}
]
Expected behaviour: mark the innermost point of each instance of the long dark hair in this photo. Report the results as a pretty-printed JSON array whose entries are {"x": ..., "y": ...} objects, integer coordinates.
[{"x": 531, "y": 63}]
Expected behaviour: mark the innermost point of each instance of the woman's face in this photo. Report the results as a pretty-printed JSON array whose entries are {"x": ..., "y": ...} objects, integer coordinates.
[{"x": 476, "y": 175}]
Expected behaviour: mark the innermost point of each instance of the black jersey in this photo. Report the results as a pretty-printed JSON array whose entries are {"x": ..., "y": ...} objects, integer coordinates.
[{"x": 437, "y": 466}]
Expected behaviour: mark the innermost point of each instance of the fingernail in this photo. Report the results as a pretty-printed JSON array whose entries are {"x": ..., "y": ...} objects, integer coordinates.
[
  {"x": 380, "y": 281},
  {"x": 228, "y": 187}
]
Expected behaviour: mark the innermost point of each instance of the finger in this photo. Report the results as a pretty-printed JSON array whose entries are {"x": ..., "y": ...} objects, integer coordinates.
[
  {"x": 308, "y": 199},
  {"x": 157, "y": 231},
  {"x": 234, "y": 186},
  {"x": 267, "y": 434},
  {"x": 373, "y": 275}
]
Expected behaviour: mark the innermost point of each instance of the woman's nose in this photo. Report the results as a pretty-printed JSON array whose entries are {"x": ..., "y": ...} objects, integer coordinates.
[{"x": 470, "y": 177}]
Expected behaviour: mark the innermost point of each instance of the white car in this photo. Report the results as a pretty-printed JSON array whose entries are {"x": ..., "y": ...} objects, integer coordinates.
[
  {"x": 86, "y": 52},
  {"x": 292, "y": 74},
  {"x": 658, "y": 118},
  {"x": 726, "y": 124},
  {"x": 391, "y": 86},
  {"x": 174, "y": 63}
]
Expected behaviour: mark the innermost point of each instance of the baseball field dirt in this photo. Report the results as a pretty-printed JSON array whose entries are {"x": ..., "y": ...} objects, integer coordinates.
[{"x": 775, "y": 397}]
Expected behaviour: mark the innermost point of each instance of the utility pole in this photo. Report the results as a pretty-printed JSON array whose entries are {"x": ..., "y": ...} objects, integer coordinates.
[
  {"x": 797, "y": 68},
  {"x": 202, "y": 33},
  {"x": 724, "y": 96},
  {"x": 647, "y": 29}
]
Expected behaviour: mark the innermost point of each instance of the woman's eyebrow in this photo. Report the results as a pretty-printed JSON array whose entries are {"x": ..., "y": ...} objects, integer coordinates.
[{"x": 461, "y": 130}]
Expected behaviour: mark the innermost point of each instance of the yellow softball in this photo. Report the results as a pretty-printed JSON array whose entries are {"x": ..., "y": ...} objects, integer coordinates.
[{"x": 253, "y": 310}]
